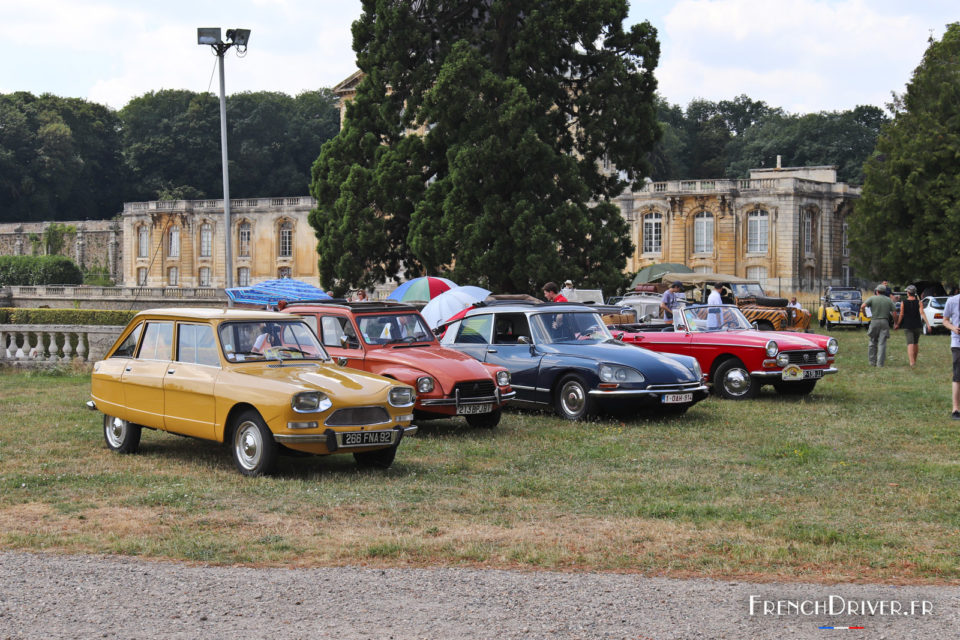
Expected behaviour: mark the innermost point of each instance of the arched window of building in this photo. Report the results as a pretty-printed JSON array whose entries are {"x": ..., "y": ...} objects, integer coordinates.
[
  {"x": 652, "y": 233},
  {"x": 206, "y": 240},
  {"x": 143, "y": 241},
  {"x": 808, "y": 232},
  {"x": 243, "y": 276},
  {"x": 243, "y": 246},
  {"x": 758, "y": 231},
  {"x": 286, "y": 240},
  {"x": 703, "y": 232},
  {"x": 204, "y": 277},
  {"x": 173, "y": 242}
]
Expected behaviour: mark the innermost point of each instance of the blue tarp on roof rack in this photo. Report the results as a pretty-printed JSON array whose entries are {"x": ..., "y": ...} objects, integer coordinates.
[{"x": 270, "y": 292}]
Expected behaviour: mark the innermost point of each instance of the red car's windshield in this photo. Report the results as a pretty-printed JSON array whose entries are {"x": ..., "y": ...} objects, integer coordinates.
[{"x": 394, "y": 328}]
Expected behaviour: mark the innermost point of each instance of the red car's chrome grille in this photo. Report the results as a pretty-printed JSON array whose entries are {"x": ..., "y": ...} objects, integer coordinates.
[{"x": 803, "y": 357}]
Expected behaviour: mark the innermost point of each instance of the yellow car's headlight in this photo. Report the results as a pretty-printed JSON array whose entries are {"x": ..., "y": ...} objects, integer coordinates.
[
  {"x": 310, "y": 402},
  {"x": 401, "y": 397}
]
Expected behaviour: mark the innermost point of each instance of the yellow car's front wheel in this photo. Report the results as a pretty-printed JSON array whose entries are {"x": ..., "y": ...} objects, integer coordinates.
[{"x": 253, "y": 446}]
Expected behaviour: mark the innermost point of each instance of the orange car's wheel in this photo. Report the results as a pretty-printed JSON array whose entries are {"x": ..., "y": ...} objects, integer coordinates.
[
  {"x": 121, "y": 435},
  {"x": 254, "y": 450},
  {"x": 484, "y": 420}
]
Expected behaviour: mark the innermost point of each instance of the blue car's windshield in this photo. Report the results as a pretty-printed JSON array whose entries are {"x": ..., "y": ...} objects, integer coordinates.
[{"x": 576, "y": 326}]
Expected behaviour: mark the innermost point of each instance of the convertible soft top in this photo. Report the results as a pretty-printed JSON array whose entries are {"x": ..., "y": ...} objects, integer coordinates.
[{"x": 700, "y": 279}]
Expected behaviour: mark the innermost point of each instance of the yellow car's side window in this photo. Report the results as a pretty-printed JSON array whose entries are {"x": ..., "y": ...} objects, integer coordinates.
[
  {"x": 157, "y": 341},
  {"x": 129, "y": 346}
]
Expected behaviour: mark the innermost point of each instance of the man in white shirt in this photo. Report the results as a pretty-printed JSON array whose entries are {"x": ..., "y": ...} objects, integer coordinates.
[{"x": 715, "y": 298}]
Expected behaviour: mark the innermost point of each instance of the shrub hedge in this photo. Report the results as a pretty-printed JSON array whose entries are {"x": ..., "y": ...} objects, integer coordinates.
[
  {"x": 66, "y": 316},
  {"x": 21, "y": 271}
]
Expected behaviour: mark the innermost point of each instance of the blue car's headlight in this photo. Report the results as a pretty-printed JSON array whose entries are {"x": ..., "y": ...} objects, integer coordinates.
[{"x": 618, "y": 374}]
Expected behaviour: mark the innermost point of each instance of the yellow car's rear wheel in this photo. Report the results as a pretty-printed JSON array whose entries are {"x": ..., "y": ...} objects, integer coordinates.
[{"x": 120, "y": 435}]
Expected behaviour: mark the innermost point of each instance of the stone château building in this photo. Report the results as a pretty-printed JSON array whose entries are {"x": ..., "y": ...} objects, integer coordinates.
[
  {"x": 181, "y": 243},
  {"x": 786, "y": 227}
]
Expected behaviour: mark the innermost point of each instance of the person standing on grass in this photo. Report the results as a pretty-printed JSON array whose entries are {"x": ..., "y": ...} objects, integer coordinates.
[
  {"x": 951, "y": 322},
  {"x": 881, "y": 308},
  {"x": 912, "y": 321}
]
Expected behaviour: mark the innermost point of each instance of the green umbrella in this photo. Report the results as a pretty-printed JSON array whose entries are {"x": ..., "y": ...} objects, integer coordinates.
[{"x": 653, "y": 271}]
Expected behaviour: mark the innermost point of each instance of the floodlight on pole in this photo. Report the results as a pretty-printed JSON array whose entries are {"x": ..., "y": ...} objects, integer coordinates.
[{"x": 235, "y": 38}]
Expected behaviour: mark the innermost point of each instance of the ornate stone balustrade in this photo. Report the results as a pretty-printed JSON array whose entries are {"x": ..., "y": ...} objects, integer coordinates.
[
  {"x": 87, "y": 297},
  {"x": 53, "y": 344}
]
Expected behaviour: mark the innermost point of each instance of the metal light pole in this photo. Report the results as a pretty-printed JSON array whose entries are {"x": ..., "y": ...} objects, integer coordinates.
[{"x": 235, "y": 38}]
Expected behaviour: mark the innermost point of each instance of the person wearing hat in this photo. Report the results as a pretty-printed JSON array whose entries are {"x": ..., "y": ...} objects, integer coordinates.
[
  {"x": 881, "y": 309},
  {"x": 669, "y": 300},
  {"x": 912, "y": 321},
  {"x": 568, "y": 289}
]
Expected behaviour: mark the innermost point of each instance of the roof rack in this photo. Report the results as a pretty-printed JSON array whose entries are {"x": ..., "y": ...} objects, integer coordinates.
[{"x": 367, "y": 305}]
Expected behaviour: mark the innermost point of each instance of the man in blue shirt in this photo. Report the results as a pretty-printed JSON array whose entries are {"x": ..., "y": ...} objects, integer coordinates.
[
  {"x": 669, "y": 300},
  {"x": 951, "y": 322}
]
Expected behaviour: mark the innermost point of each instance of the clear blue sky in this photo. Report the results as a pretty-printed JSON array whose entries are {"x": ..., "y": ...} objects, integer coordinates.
[{"x": 802, "y": 55}]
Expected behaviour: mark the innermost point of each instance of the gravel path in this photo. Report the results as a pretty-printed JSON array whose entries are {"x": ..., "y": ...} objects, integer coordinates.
[{"x": 54, "y": 596}]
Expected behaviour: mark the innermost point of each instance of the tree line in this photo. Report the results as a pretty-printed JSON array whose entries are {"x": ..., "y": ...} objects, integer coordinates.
[{"x": 71, "y": 159}]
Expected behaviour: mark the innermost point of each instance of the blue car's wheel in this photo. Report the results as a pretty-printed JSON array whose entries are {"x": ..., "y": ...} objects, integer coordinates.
[{"x": 572, "y": 399}]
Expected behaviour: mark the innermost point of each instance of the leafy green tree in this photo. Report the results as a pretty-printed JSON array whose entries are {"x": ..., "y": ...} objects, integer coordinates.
[
  {"x": 911, "y": 196},
  {"x": 841, "y": 138},
  {"x": 59, "y": 158},
  {"x": 171, "y": 140},
  {"x": 483, "y": 160}
]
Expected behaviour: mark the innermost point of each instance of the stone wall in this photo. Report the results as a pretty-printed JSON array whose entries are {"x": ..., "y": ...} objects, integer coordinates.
[{"x": 94, "y": 244}]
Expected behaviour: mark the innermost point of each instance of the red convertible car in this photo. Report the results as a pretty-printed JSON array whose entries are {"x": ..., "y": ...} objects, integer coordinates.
[{"x": 735, "y": 357}]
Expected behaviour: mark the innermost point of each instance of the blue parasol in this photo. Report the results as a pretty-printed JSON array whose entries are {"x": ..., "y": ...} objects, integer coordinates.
[{"x": 270, "y": 292}]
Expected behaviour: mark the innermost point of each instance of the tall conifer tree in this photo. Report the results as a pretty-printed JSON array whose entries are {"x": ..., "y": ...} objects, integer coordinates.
[
  {"x": 476, "y": 142},
  {"x": 903, "y": 222}
]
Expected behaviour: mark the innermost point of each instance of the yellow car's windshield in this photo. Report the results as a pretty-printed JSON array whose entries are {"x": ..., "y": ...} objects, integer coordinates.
[{"x": 271, "y": 340}]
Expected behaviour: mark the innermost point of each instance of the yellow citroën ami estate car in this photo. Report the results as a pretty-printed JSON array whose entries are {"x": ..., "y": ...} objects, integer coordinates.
[{"x": 256, "y": 380}]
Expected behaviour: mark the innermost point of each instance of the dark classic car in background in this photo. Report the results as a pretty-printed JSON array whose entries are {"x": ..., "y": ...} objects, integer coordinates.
[
  {"x": 562, "y": 355},
  {"x": 737, "y": 358},
  {"x": 392, "y": 339}
]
